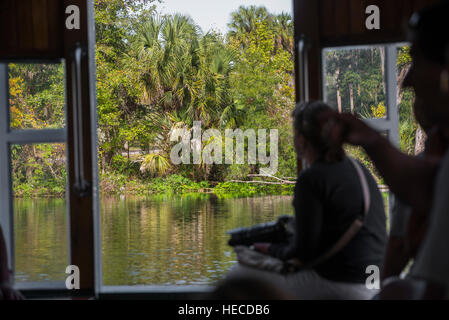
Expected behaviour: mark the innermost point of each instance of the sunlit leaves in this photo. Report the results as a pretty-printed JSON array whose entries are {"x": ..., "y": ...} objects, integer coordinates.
[
  {"x": 155, "y": 164},
  {"x": 36, "y": 96}
]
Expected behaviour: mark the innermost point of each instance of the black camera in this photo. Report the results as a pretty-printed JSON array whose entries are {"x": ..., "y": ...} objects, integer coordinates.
[{"x": 275, "y": 231}]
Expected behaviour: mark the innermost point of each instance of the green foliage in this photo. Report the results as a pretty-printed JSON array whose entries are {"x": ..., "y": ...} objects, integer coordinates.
[
  {"x": 36, "y": 96},
  {"x": 37, "y": 102},
  {"x": 123, "y": 165},
  {"x": 360, "y": 71},
  {"x": 155, "y": 164},
  {"x": 118, "y": 93},
  {"x": 38, "y": 170},
  {"x": 177, "y": 184},
  {"x": 260, "y": 70},
  {"x": 233, "y": 189},
  {"x": 404, "y": 58},
  {"x": 360, "y": 154},
  {"x": 356, "y": 71},
  {"x": 262, "y": 81},
  {"x": 112, "y": 183},
  {"x": 407, "y": 123},
  {"x": 156, "y": 73}
]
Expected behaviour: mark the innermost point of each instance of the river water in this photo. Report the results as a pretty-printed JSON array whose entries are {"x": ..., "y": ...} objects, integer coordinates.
[{"x": 157, "y": 240}]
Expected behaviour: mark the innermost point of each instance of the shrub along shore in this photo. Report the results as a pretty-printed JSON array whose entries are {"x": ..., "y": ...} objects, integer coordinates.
[{"x": 120, "y": 184}]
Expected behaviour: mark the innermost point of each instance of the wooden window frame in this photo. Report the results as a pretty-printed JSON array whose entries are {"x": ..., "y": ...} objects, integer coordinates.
[
  {"x": 85, "y": 240},
  {"x": 83, "y": 208},
  {"x": 8, "y": 138}
]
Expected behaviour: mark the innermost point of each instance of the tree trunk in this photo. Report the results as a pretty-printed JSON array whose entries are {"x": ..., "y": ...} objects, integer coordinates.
[
  {"x": 351, "y": 97},
  {"x": 103, "y": 165},
  {"x": 420, "y": 140},
  {"x": 337, "y": 73},
  {"x": 382, "y": 67},
  {"x": 339, "y": 100},
  {"x": 358, "y": 94},
  {"x": 108, "y": 157},
  {"x": 402, "y": 73}
]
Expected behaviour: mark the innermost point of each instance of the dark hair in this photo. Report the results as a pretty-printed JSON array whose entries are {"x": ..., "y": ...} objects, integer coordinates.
[
  {"x": 429, "y": 31},
  {"x": 306, "y": 122}
]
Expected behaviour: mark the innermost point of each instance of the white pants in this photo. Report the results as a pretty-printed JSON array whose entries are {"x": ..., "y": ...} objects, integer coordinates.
[{"x": 307, "y": 284}]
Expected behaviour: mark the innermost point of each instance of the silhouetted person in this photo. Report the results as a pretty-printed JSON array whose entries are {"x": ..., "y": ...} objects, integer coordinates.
[
  {"x": 6, "y": 290},
  {"x": 329, "y": 198},
  {"x": 249, "y": 288}
]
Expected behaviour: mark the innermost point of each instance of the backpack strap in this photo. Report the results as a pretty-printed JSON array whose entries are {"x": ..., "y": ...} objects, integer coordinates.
[{"x": 364, "y": 185}]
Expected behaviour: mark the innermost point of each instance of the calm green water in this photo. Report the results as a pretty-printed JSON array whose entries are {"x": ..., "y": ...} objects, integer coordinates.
[{"x": 158, "y": 240}]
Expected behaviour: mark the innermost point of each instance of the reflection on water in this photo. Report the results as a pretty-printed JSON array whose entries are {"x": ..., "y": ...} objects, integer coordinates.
[
  {"x": 40, "y": 236},
  {"x": 157, "y": 240}
]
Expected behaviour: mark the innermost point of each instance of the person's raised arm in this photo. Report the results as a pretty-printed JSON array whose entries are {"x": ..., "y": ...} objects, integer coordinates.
[{"x": 410, "y": 178}]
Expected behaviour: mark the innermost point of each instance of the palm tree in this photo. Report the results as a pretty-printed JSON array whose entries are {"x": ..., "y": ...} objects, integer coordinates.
[
  {"x": 184, "y": 77},
  {"x": 284, "y": 32},
  {"x": 182, "y": 70},
  {"x": 155, "y": 164},
  {"x": 165, "y": 51},
  {"x": 244, "y": 21}
]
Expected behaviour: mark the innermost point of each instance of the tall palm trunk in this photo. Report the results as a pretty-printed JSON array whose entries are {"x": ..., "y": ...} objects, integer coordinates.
[
  {"x": 337, "y": 73},
  {"x": 402, "y": 73},
  {"x": 420, "y": 140},
  {"x": 351, "y": 97},
  {"x": 382, "y": 67},
  {"x": 339, "y": 100}
]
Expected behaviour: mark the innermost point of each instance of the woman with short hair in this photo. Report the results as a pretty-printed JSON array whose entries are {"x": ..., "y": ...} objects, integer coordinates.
[{"x": 329, "y": 197}]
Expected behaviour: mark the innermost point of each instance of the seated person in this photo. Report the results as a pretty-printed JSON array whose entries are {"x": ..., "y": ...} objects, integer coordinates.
[
  {"x": 248, "y": 288},
  {"x": 405, "y": 238},
  {"x": 397, "y": 254},
  {"x": 408, "y": 227},
  {"x": 328, "y": 199},
  {"x": 6, "y": 291},
  {"x": 429, "y": 277}
]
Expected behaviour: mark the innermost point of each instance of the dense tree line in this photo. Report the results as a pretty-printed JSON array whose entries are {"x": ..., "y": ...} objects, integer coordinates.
[
  {"x": 170, "y": 74},
  {"x": 159, "y": 72},
  {"x": 355, "y": 83}
]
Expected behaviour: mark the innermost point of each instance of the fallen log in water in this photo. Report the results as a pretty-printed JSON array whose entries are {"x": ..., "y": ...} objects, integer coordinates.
[{"x": 263, "y": 182}]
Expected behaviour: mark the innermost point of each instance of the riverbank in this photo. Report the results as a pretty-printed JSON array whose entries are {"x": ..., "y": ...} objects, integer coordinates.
[{"x": 119, "y": 184}]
